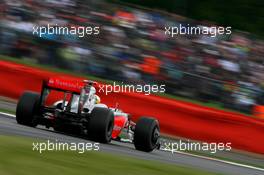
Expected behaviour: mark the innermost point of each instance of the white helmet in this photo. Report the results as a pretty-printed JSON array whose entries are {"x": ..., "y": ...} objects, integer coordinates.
[{"x": 92, "y": 90}]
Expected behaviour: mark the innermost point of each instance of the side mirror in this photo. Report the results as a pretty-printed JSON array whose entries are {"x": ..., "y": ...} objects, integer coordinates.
[{"x": 116, "y": 106}]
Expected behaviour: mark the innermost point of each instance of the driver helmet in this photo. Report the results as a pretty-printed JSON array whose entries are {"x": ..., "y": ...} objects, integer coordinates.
[
  {"x": 97, "y": 99},
  {"x": 92, "y": 90}
]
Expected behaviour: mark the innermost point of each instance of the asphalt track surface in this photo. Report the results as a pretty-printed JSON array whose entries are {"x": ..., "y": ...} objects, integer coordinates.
[{"x": 8, "y": 126}]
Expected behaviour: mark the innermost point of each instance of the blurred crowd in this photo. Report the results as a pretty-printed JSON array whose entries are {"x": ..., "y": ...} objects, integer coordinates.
[{"x": 132, "y": 48}]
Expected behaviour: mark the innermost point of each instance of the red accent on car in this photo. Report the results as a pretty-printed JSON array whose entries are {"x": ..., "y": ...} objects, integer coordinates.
[
  {"x": 119, "y": 124},
  {"x": 65, "y": 84}
]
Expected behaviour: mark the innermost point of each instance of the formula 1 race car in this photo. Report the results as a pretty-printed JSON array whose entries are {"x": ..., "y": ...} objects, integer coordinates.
[{"x": 79, "y": 111}]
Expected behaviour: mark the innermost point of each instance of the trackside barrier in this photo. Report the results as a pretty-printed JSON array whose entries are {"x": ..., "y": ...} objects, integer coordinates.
[
  {"x": 176, "y": 118},
  {"x": 259, "y": 111}
]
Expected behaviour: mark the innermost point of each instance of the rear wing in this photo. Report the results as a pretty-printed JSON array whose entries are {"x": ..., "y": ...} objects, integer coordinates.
[{"x": 61, "y": 84}]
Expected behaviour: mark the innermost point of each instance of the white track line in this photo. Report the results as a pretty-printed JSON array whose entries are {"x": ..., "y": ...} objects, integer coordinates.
[
  {"x": 7, "y": 114},
  {"x": 218, "y": 160},
  {"x": 189, "y": 154}
]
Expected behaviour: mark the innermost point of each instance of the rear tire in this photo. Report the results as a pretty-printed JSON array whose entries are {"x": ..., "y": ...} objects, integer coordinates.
[
  {"x": 146, "y": 134},
  {"x": 100, "y": 125},
  {"x": 27, "y": 108}
]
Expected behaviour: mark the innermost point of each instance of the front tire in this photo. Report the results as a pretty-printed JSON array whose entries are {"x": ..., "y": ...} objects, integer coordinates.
[
  {"x": 100, "y": 125},
  {"x": 146, "y": 134},
  {"x": 27, "y": 108}
]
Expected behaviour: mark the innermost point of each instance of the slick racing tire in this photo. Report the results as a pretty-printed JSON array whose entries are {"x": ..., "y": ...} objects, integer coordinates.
[
  {"x": 146, "y": 134},
  {"x": 27, "y": 108},
  {"x": 100, "y": 125}
]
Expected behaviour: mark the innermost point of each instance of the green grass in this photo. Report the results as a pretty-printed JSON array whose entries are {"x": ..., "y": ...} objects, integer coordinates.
[
  {"x": 32, "y": 63},
  {"x": 206, "y": 154},
  {"x": 8, "y": 111},
  {"x": 18, "y": 158}
]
